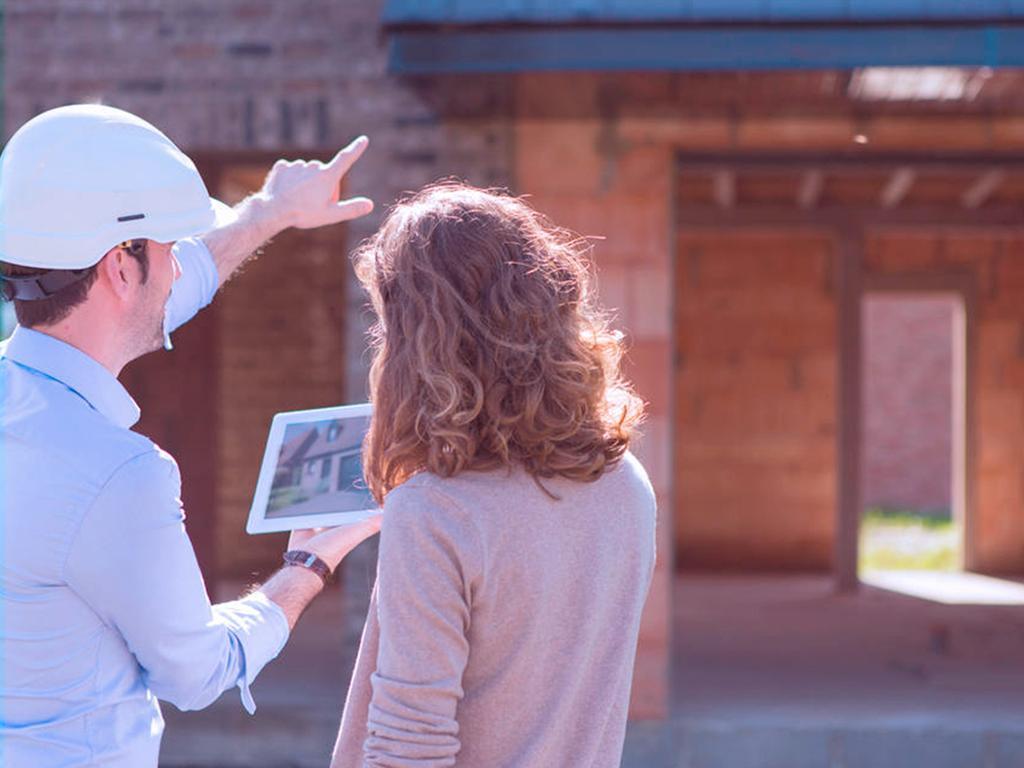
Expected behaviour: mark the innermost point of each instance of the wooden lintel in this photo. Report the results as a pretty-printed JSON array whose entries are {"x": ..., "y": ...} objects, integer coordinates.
[
  {"x": 981, "y": 190},
  {"x": 725, "y": 189},
  {"x": 811, "y": 186},
  {"x": 899, "y": 185},
  {"x": 834, "y": 161},
  {"x": 938, "y": 217}
]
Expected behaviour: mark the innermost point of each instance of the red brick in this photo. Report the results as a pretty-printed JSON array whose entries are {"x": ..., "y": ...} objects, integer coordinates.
[
  {"x": 559, "y": 156},
  {"x": 908, "y": 428},
  {"x": 755, "y": 431}
]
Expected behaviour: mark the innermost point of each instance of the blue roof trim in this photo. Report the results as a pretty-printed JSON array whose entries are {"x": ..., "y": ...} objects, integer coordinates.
[
  {"x": 476, "y": 12},
  {"x": 708, "y": 48}
]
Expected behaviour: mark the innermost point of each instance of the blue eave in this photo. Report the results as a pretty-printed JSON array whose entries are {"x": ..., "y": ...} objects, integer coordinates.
[
  {"x": 463, "y": 12},
  {"x": 465, "y": 36},
  {"x": 709, "y": 48}
]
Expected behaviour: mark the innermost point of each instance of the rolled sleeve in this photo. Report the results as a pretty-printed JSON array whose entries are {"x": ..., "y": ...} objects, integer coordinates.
[
  {"x": 133, "y": 563},
  {"x": 197, "y": 285},
  {"x": 260, "y": 626}
]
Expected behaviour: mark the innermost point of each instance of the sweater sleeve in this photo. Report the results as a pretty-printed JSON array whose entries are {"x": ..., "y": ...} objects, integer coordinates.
[{"x": 428, "y": 559}]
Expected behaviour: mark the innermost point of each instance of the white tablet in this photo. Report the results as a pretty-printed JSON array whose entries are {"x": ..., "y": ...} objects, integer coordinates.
[{"x": 312, "y": 472}]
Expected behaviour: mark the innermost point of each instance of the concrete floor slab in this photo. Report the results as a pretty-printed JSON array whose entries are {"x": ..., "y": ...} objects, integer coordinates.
[{"x": 767, "y": 671}]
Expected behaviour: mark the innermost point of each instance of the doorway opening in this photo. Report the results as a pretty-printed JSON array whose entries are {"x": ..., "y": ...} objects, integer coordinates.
[{"x": 914, "y": 516}]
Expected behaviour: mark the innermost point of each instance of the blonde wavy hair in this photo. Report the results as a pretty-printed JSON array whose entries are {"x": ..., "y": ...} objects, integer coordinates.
[{"x": 489, "y": 350}]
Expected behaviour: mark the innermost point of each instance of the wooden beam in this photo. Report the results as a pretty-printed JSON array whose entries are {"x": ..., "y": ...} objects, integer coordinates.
[
  {"x": 899, "y": 185},
  {"x": 941, "y": 218},
  {"x": 811, "y": 186},
  {"x": 981, "y": 190},
  {"x": 838, "y": 161},
  {"x": 725, "y": 189}
]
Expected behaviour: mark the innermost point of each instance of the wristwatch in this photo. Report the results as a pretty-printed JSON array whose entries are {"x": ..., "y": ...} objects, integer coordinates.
[{"x": 308, "y": 560}]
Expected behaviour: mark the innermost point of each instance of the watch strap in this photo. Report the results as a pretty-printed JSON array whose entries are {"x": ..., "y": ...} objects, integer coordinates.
[{"x": 303, "y": 559}]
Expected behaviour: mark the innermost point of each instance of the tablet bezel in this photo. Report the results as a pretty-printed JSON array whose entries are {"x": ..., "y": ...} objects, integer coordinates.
[{"x": 258, "y": 522}]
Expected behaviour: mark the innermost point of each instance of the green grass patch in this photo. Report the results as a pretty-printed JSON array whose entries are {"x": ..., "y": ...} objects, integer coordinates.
[
  {"x": 897, "y": 540},
  {"x": 939, "y": 519}
]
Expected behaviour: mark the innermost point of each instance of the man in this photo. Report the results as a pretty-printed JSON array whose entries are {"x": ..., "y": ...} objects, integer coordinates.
[{"x": 108, "y": 242}]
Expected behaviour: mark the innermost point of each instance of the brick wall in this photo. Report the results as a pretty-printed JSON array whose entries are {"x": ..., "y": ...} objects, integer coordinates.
[
  {"x": 755, "y": 420},
  {"x": 908, "y": 401},
  {"x": 994, "y": 264}
]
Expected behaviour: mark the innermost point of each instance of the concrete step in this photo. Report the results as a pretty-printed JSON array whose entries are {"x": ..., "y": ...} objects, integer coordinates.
[{"x": 721, "y": 745}]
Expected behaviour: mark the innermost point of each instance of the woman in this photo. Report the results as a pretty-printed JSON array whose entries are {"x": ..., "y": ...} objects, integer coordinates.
[{"x": 518, "y": 538}]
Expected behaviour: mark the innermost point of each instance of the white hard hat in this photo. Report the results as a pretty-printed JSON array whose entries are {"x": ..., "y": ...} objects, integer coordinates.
[{"x": 75, "y": 181}]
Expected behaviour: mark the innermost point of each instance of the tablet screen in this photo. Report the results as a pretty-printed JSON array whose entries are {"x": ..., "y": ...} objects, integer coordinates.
[{"x": 312, "y": 472}]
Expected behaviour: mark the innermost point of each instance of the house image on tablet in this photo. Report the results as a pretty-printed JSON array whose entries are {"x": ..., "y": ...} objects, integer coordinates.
[{"x": 319, "y": 470}]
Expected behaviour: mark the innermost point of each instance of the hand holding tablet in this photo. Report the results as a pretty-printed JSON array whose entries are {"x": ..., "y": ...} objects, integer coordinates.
[
  {"x": 312, "y": 472},
  {"x": 332, "y": 544}
]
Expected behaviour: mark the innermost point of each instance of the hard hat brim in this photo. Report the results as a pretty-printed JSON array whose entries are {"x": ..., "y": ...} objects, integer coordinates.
[{"x": 46, "y": 251}]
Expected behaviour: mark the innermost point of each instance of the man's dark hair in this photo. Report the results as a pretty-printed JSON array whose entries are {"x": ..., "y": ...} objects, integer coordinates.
[{"x": 58, "y": 306}]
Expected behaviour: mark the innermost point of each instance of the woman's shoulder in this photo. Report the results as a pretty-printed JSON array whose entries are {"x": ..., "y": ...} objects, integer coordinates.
[
  {"x": 631, "y": 466},
  {"x": 427, "y": 511},
  {"x": 427, "y": 493},
  {"x": 479, "y": 490},
  {"x": 460, "y": 491},
  {"x": 471, "y": 497},
  {"x": 630, "y": 473},
  {"x": 468, "y": 481}
]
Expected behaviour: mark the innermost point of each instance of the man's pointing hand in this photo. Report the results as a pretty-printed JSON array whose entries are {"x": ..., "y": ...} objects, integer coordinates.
[{"x": 306, "y": 194}]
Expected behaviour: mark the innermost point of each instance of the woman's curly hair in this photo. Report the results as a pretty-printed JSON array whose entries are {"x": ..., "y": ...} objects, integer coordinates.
[{"x": 489, "y": 348}]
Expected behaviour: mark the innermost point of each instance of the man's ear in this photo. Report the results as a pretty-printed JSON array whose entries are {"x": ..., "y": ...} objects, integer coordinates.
[{"x": 116, "y": 272}]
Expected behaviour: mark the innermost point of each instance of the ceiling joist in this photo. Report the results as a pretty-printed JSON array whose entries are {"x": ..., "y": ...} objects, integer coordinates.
[
  {"x": 725, "y": 189},
  {"x": 811, "y": 185},
  {"x": 898, "y": 186},
  {"x": 981, "y": 190}
]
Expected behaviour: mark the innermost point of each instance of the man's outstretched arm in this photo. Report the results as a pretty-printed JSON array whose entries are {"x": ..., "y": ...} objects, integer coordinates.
[{"x": 296, "y": 193}]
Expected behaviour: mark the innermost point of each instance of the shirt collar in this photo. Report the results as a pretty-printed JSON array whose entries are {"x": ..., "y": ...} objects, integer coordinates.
[{"x": 76, "y": 370}]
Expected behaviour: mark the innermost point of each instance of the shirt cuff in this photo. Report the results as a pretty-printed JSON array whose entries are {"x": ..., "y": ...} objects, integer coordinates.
[
  {"x": 262, "y": 630},
  {"x": 197, "y": 285}
]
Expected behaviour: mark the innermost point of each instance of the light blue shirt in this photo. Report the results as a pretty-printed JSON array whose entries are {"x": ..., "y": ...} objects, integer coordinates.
[{"x": 102, "y": 606}]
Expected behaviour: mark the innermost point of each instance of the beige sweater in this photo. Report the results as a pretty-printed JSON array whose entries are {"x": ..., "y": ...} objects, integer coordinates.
[{"x": 503, "y": 626}]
